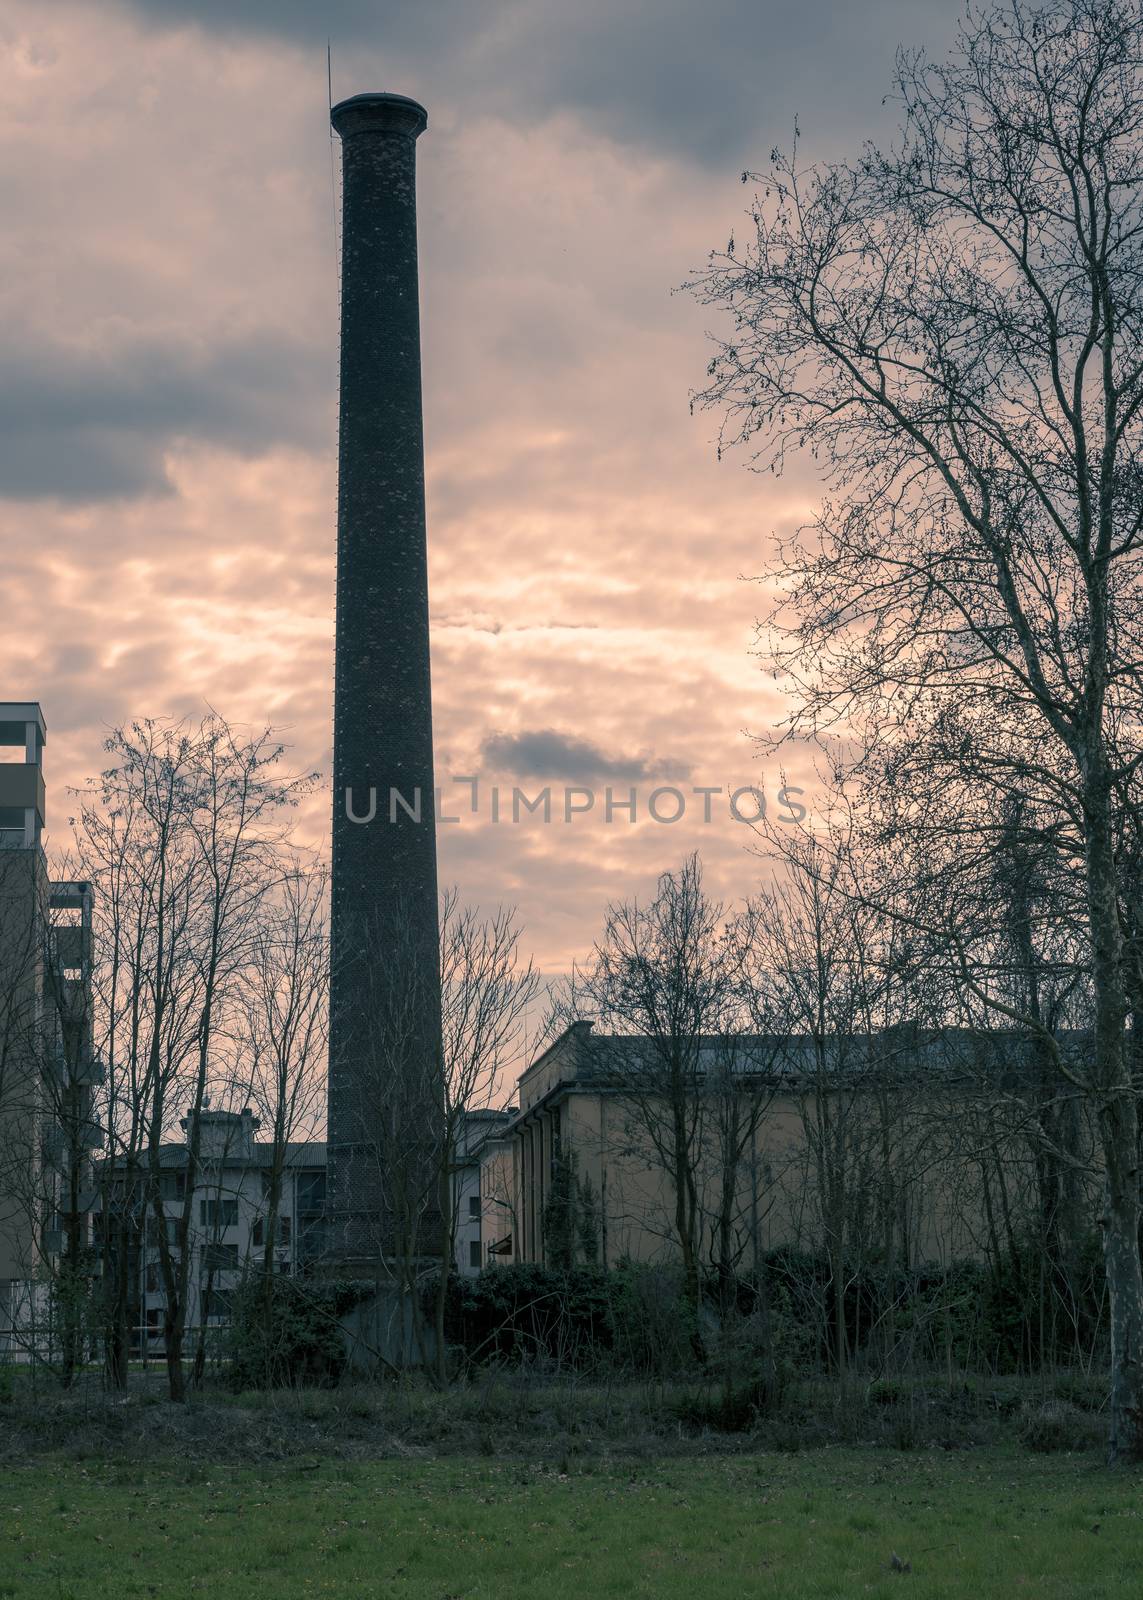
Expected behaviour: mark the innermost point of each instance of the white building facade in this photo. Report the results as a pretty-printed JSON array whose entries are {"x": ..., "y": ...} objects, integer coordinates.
[{"x": 226, "y": 1235}]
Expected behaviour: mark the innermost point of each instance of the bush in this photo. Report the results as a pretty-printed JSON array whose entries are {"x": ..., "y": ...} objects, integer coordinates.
[
  {"x": 884, "y": 1392},
  {"x": 1085, "y": 1391},
  {"x": 730, "y": 1408},
  {"x": 966, "y": 1314},
  {"x": 285, "y": 1332},
  {"x": 573, "y": 1319},
  {"x": 528, "y": 1313},
  {"x": 652, "y": 1327},
  {"x": 1057, "y": 1426}
]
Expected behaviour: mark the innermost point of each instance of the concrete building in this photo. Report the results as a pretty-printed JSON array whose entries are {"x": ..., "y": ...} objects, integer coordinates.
[
  {"x": 228, "y": 1215},
  {"x": 480, "y": 1134},
  {"x": 574, "y": 1103},
  {"x": 47, "y": 1065}
]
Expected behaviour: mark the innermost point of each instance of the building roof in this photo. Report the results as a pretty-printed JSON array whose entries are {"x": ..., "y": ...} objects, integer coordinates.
[
  {"x": 301, "y": 1154},
  {"x": 602, "y": 1063}
]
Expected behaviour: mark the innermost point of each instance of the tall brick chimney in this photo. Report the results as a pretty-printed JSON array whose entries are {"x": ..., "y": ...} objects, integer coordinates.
[{"x": 385, "y": 983}]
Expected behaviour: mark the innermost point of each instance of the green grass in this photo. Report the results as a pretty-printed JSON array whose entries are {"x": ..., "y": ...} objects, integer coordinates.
[{"x": 821, "y": 1525}]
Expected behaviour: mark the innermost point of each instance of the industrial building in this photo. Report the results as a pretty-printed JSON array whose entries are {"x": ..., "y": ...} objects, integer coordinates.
[
  {"x": 887, "y": 1115},
  {"x": 228, "y": 1216}
]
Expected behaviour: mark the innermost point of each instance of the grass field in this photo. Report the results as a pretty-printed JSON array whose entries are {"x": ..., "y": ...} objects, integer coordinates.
[{"x": 823, "y": 1524}]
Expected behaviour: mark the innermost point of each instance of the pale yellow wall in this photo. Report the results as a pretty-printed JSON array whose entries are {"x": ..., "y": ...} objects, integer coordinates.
[
  {"x": 557, "y": 1063},
  {"x": 937, "y": 1216}
]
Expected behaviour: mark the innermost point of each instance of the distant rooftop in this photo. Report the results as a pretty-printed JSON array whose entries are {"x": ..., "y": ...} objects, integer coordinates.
[{"x": 301, "y": 1154}]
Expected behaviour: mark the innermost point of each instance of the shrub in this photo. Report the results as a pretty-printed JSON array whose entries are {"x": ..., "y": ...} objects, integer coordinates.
[
  {"x": 884, "y": 1392},
  {"x": 652, "y": 1327},
  {"x": 966, "y": 1314},
  {"x": 285, "y": 1332},
  {"x": 1057, "y": 1426},
  {"x": 528, "y": 1313},
  {"x": 730, "y": 1408},
  {"x": 573, "y": 1318},
  {"x": 1085, "y": 1391}
]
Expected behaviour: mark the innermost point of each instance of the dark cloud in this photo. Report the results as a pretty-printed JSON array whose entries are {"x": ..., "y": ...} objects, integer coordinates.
[
  {"x": 545, "y": 753},
  {"x": 81, "y": 423},
  {"x": 387, "y": 24},
  {"x": 708, "y": 82}
]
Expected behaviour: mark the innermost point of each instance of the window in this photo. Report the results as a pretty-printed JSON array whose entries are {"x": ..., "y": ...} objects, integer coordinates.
[
  {"x": 219, "y": 1257},
  {"x": 311, "y": 1191},
  {"x": 474, "y": 1257},
  {"x": 218, "y": 1213},
  {"x": 281, "y": 1232},
  {"x": 218, "y": 1305},
  {"x": 474, "y": 1205},
  {"x": 172, "y": 1185}
]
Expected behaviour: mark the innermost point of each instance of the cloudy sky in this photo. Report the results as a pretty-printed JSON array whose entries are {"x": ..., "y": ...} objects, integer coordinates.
[{"x": 167, "y": 416}]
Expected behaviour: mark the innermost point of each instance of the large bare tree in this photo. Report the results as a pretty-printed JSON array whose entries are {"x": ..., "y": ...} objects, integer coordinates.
[{"x": 953, "y": 329}]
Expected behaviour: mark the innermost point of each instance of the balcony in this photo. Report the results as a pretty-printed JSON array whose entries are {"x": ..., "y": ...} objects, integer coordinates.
[
  {"x": 21, "y": 794},
  {"x": 53, "y": 1145}
]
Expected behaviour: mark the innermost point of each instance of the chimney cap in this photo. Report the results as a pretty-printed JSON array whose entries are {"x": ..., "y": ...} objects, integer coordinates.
[{"x": 379, "y": 113}]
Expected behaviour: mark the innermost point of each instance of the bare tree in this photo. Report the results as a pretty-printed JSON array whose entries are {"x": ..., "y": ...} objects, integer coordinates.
[
  {"x": 953, "y": 329},
  {"x": 830, "y": 969},
  {"x": 282, "y": 1034},
  {"x": 663, "y": 990},
  {"x": 284, "y": 1019},
  {"x": 182, "y": 835},
  {"x": 487, "y": 988}
]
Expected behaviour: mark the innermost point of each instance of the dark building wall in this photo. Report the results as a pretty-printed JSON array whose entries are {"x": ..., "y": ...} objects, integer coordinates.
[{"x": 385, "y": 991}]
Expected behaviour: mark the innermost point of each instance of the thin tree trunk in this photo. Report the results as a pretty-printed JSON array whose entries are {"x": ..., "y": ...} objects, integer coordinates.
[{"x": 1119, "y": 1131}]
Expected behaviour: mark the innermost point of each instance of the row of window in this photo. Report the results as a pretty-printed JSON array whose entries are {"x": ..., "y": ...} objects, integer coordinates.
[
  {"x": 216, "y": 1257},
  {"x": 220, "y": 1214},
  {"x": 309, "y": 1188},
  {"x": 218, "y": 1303}
]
